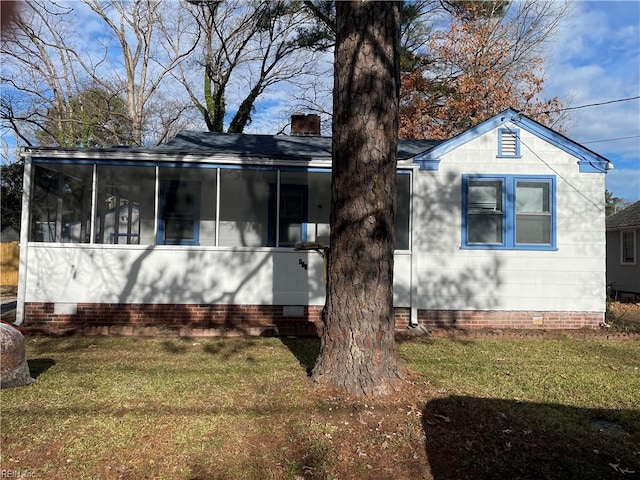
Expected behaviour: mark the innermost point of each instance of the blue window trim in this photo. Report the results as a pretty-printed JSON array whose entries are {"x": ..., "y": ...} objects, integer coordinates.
[
  {"x": 161, "y": 240},
  {"x": 509, "y": 183},
  {"x": 515, "y": 131}
]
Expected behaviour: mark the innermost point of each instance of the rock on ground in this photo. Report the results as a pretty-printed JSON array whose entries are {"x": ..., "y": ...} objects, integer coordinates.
[{"x": 14, "y": 370}]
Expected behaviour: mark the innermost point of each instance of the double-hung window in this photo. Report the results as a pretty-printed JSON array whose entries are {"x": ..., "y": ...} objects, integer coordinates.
[
  {"x": 508, "y": 212},
  {"x": 628, "y": 247}
]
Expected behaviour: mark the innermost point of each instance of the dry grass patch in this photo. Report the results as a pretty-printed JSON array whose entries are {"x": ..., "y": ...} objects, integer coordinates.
[{"x": 624, "y": 316}]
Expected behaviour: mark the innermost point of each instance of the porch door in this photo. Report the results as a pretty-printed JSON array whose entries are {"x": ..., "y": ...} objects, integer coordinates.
[
  {"x": 292, "y": 222},
  {"x": 179, "y": 208}
]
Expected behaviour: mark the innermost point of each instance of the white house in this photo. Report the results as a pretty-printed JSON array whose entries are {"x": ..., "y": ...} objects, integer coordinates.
[{"x": 502, "y": 226}]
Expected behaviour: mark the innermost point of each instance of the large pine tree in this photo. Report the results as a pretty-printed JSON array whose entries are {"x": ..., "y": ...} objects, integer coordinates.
[{"x": 358, "y": 349}]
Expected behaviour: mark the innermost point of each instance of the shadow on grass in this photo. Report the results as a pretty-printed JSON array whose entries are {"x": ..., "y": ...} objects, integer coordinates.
[
  {"x": 306, "y": 350},
  {"x": 175, "y": 347},
  {"x": 478, "y": 438},
  {"x": 37, "y": 366},
  {"x": 292, "y": 453}
]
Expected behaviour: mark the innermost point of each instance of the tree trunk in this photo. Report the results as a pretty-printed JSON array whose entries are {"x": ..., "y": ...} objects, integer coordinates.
[{"x": 358, "y": 349}]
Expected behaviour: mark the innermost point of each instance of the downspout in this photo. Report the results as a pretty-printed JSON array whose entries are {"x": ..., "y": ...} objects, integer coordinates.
[
  {"x": 413, "y": 319},
  {"x": 24, "y": 240},
  {"x": 413, "y": 286}
]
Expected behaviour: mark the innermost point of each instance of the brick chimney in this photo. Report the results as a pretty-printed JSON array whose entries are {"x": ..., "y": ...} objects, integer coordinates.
[{"x": 302, "y": 124}]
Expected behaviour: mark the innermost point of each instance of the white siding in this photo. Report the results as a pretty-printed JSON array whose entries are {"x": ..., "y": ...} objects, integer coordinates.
[
  {"x": 71, "y": 273},
  {"x": 569, "y": 279}
]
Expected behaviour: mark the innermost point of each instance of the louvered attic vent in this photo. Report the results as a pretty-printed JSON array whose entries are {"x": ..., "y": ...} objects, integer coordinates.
[{"x": 509, "y": 143}]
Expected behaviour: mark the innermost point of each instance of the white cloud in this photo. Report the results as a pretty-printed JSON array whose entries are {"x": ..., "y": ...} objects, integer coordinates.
[{"x": 596, "y": 59}]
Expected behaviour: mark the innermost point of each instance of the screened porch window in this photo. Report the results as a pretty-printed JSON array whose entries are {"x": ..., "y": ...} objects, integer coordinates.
[
  {"x": 125, "y": 205},
  {"x": 403, "y": 213},
  {"x": 178, "y": 222},
  {"x": 291, "y": 215},
  {"x": 302, "y": 214},
  {"x": 189, "y": 205},
  {"x": 244, "y": 207},
  {"x": 61, "y": 203}
]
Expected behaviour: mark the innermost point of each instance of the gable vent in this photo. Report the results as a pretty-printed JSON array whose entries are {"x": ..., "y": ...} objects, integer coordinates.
[{"x": 509, "y": 144}]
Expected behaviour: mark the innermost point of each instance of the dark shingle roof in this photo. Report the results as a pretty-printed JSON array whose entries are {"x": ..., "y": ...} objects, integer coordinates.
[
  {"x": 272, "y": 146},
  {"x": 629, "y": 217}
]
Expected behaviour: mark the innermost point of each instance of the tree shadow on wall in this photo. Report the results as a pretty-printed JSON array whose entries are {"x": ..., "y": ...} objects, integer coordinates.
[{"x": 478, "y": 438}]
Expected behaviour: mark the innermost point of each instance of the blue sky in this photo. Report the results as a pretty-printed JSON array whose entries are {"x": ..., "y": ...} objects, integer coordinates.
[{"x": 595, "y": 59}]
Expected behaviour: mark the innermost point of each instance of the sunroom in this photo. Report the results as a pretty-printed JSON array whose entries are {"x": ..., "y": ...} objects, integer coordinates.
[
  {"x": 197, "y": 204},
  {"x": 199, "y": 232}
]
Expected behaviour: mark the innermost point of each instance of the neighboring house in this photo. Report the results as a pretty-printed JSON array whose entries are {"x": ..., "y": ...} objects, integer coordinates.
[
  {"x": 623, "y": 250},
  {"x": 501, "y": 227}
]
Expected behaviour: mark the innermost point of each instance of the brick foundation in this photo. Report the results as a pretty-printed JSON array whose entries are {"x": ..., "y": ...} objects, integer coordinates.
[
  {"x": 268, "y": 320},
  {"x": 151, "y": 319},
  {"x": 519, "y": 320}
]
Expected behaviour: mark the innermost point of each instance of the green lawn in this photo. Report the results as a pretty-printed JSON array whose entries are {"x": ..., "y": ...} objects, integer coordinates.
[{"x": 244, "y": 408}]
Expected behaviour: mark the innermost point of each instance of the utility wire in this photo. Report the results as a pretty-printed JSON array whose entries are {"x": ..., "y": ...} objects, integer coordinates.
[
  {"x": 611, "y": 139},
  {"x": 594, "y": 104},
  {"x": 567, "y": 181}
]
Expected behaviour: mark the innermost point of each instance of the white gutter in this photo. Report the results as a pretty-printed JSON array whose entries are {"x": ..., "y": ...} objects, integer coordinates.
[{"x": 413, "y": 288}]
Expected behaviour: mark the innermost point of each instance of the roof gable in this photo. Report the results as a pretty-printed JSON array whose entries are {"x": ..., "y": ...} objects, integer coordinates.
[{"x": 587, "y": 159}]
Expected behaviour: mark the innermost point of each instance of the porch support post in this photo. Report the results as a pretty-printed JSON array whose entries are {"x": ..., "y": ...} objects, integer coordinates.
[
  {"x": 156, "y": 205},
  {"x": 218, "y": 207},
  {"x": 277, "y": 208},
  {"x": 25, "y": 227},
  {"x": 94, "y": 202}
]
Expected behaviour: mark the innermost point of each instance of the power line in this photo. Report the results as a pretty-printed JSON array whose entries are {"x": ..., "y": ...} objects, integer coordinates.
[
  {"x": 611, "y": 139},
  {"x": 594, "y": 104}
]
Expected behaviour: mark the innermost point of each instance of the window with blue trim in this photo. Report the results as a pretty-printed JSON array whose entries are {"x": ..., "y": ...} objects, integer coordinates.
[
  {"x": 509, "y": 142},
  {"x": 508, "y": 212}
]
